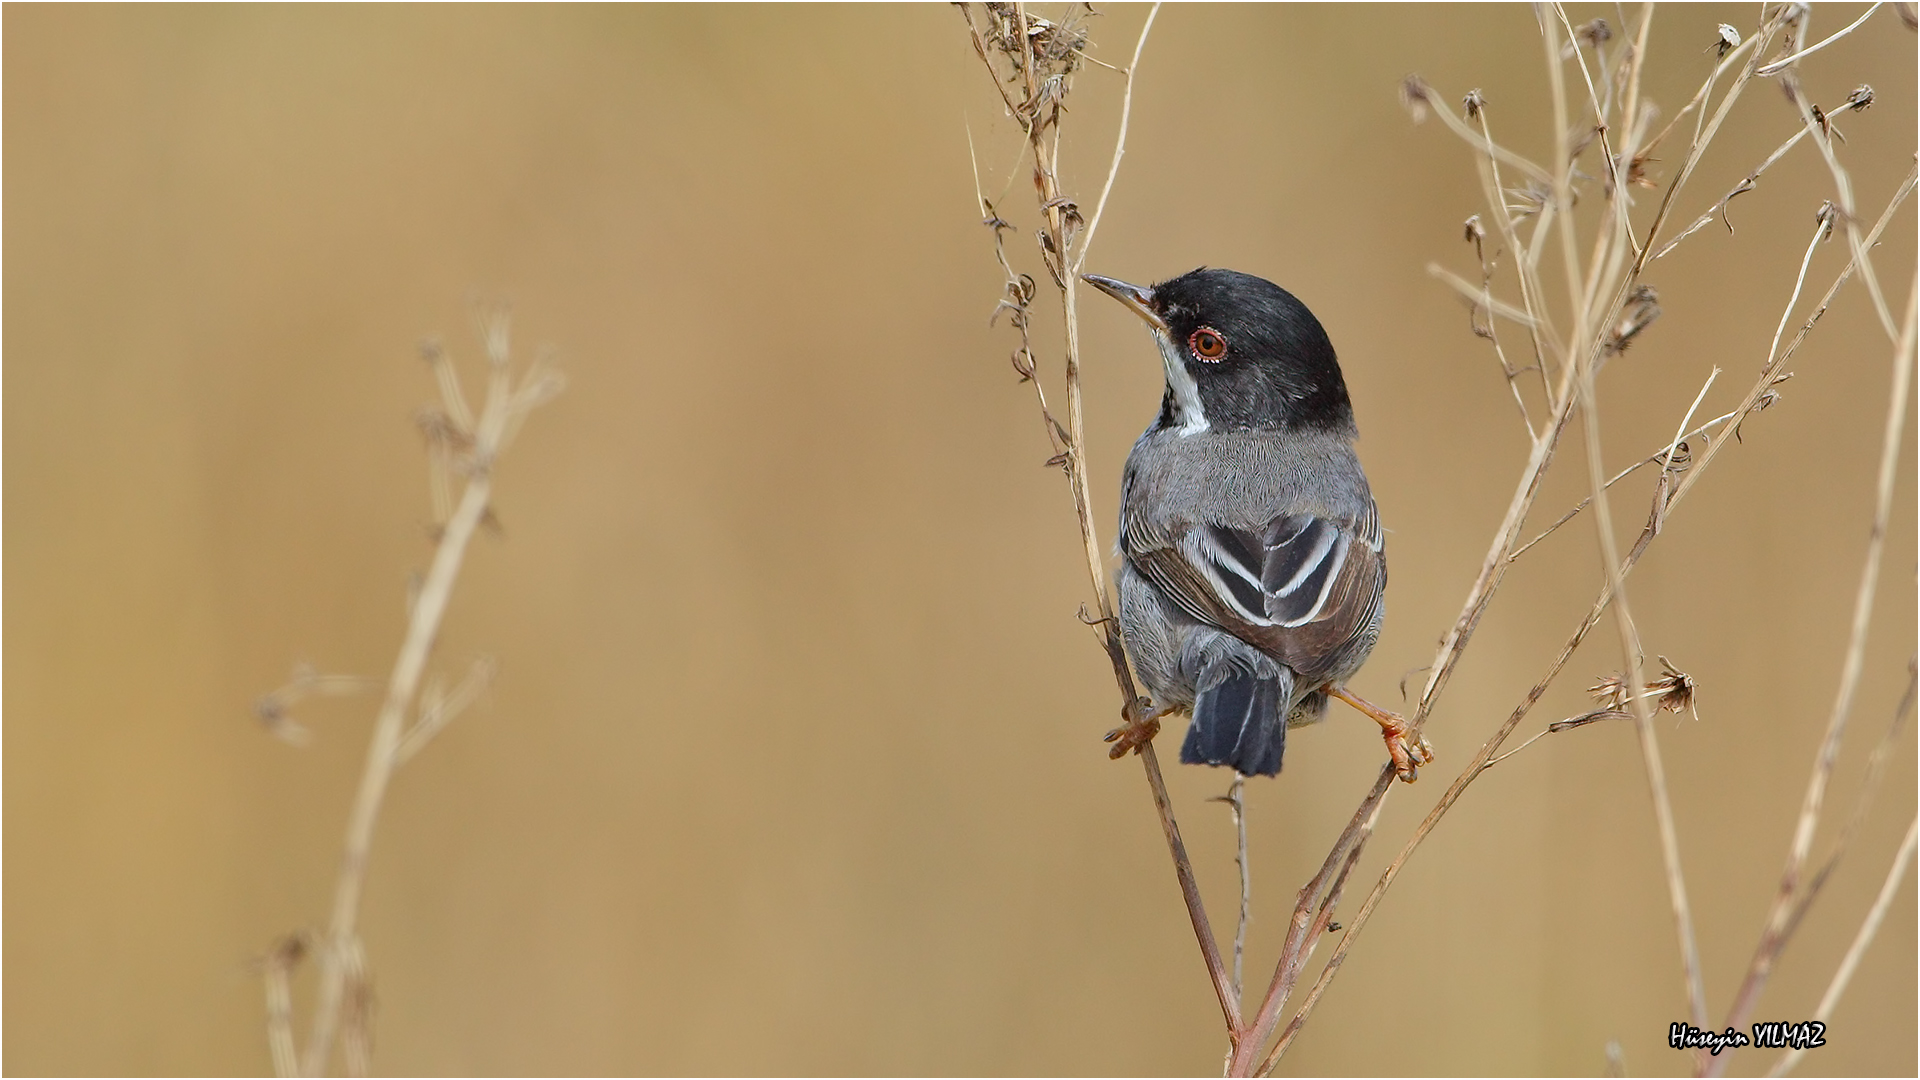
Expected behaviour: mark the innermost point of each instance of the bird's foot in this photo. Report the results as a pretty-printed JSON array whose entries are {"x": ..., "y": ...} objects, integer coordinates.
[
  {"x": 1407, "y": 747},
  {"x": 1141, "y": 724}
]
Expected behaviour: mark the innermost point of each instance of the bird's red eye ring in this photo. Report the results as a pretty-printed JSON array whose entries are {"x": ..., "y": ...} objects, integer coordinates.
[{"x": 1208, "y": 345}]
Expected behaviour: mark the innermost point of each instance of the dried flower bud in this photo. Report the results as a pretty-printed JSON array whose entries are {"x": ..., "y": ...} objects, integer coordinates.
[
  {"x": 1594, "y": 32},
  {"x": 1610, "y": 692},
  {"x": 1638, "y": 313},
  {"x": 1674, "y": 690},
  {"x": 1474, "y": 102},
  {"x": 1415, "y": 94},
  {"x": 1826, "y": 216},
  {"x": 1726, "y": 40}
]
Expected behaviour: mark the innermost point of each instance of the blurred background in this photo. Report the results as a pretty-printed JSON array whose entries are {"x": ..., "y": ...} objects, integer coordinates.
[{"x": 793, "y": 763}]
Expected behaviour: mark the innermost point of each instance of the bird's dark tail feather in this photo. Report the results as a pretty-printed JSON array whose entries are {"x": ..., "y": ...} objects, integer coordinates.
[{"x": 1238, "y": 722}]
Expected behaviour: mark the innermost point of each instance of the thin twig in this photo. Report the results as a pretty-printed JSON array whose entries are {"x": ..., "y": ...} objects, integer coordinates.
[
  {"x": 1119, "y": 141},
  {"x": 1773, "y": 938},
  {"x": 1070, "y": 441},
  {"x": 1658, "y": 456},
  {"x": 1478, "y": 294},
  {"x": 1862, "y": 801},
  {"x": 277, "y": 972},
  {"x": 1777, "y": 65},
  {"x": 1630, "y": 649},
  {"x": 440, "y": 710},
  {"x": 1312, "y": 912},
  {"x": 336, "y": 949},
  {"x": 1719, "y": 209},
  {"x": 1868, "y": 928},
  {"x": 1843, "y": 187},
  {"x": 1758, "y": 40},
  {"x": 1235, "y": 798},
  {"x": 1490, "y": 749}
]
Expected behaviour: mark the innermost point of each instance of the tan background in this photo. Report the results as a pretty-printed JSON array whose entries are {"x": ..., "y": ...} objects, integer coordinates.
[{"x": 793, "y": 762}]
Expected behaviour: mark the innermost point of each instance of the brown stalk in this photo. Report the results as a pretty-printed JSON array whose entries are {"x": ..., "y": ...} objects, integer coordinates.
[
  {"x": 1876, "y": 769},
  {"x": 1480, "y": 595},
  {"x": 1781, "y": 917},
  {"x": 1483, "y": 758},
  {"x": 338, "y": 951},
  {"x": 1861, "y": 939},
  {"x": 1062, "y": 263}
]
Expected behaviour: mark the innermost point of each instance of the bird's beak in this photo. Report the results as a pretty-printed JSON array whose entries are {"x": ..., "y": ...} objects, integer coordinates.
[{"x": 1137, "y": 298}]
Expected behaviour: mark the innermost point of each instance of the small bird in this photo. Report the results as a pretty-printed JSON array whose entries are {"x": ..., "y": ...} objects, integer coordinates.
[{"x": 1254, "y": 571}]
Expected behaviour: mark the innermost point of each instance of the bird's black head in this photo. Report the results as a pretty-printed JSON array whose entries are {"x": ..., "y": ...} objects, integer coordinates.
[{"x": 1240, "y": 352}]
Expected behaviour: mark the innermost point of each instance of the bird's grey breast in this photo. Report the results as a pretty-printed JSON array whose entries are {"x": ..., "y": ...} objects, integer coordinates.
[{"x": 1241, "y": 479}]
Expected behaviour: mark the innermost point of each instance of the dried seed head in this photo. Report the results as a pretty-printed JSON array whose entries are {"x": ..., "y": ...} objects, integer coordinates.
[
  {"x": 1637, "y": 171},
  {"x": 1610, "y": 692},
  {"x": 1638, "y": 313},
  {"x": 1861, "y": 98},
  {"x": 1475, "y": 232},
  {"x": 1594, "y": 32},
  {"x": 1474, "y": 102},
  {"x": 1674, "y": 690},
  {"x": 1725, "y": 40},
  {"x": 1416, "y": 95}
]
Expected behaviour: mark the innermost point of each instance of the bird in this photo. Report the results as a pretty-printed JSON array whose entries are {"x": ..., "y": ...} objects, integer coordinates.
[{"x": 1253, "y": 565}]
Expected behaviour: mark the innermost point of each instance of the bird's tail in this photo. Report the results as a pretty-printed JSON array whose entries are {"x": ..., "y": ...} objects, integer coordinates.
[{"x": 1239, "y": 721}]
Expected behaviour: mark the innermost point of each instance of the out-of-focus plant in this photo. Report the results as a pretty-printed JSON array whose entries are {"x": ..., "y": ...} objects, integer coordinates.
[{"x": 462, "y": 448}]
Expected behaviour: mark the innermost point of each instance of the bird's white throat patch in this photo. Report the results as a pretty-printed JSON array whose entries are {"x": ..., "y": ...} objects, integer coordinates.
[{"x": 1189, "y": 417}]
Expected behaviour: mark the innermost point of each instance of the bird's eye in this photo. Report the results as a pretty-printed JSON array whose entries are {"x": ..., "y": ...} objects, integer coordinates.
[{"x": 1207, "y": 344}]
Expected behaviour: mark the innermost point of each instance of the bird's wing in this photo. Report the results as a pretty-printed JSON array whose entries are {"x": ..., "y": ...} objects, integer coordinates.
[{"x": 1301, "y": 587}]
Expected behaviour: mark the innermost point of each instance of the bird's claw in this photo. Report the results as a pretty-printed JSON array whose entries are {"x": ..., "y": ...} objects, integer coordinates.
[
  {"x": 1140, "y": 728},
  {"x": 1408, "y": 749}
]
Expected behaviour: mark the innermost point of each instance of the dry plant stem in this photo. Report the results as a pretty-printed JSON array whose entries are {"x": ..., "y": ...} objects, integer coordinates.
[
  {"x": 341, "y": 941},
  {"x": 278, "y": 977},
  {"x": 1477, "y": 598},
  {"x": 1485, "y": 756},
  {"x": 1044, "y": 159},
  {"x": 1582, "y": 333},
  {"x": 382, "y": 758},
  {"x": 1311, "y": 915},
  {"x": 1658, "y": 456},
  {"x": 1119, "y": 141},
  {"x": 1745, "y": 185},
  {"x": 1781, "y": 916},
  {"x": 1876, "y": 768},
  {"x": 1868, "y": 928},
  {"x": 1235, "y": 799},
  {"x": 1844, "y": 191},
  {"x": 1778, "y": 65},
  {"x": 1758, "y": 40},
  {"x": 1642, "y": 712},
  {"x": 1190, "y": 891},
  {"x": 1052, "y": 207}
]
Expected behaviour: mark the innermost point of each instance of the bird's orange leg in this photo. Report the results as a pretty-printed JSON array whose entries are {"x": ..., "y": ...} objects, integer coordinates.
[
  {"x": 1139, "y": 729},
  {"x": 1408, "y": 748}
]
